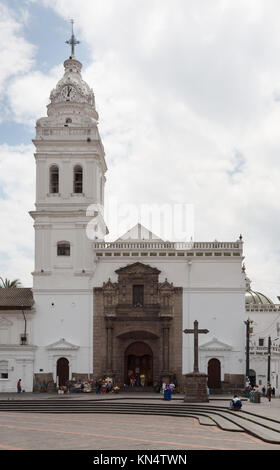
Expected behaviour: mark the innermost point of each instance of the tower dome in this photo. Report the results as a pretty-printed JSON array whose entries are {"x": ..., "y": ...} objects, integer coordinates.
[
  {"x": 72, "y": 88},
  {"x": 255, "y": 298}
]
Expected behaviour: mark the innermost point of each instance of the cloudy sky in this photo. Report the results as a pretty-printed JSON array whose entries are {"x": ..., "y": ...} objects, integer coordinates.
[{"x": 188, "y": 94}]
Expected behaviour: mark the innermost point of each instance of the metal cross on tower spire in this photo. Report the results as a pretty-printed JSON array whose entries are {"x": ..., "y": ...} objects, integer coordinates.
[{"x": 73, "y": 41}]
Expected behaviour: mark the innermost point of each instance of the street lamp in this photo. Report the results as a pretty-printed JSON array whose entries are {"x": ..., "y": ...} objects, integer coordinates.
[
  {"x": 269, "y": 358},
  {"x": 248, "y": 331}
]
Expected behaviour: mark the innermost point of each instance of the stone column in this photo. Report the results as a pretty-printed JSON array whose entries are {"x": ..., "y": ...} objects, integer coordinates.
[
  {"x": 109, "y": 350},
  {"x": 165, "y": 336},
  {"x": 165, "y": 376}
]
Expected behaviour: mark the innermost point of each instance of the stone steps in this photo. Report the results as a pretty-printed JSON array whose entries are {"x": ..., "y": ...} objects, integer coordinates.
[
  {"x": 145, "y": 389},
  {"x": 261, "y": 427}
]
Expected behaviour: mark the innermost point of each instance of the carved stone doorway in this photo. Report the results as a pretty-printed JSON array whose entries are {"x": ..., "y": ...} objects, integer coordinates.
[
  {"x": 138, "y": 360},
  {"x": 214, "y": 374},
  {"x": 62, "y": 371}
]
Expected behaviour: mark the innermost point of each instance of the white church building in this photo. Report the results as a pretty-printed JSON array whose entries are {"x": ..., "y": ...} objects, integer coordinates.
[{"x": 101, "y": 308}]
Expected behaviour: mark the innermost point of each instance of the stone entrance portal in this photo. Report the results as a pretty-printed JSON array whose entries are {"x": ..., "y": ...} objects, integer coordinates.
[
  {"x": 139, "y": 361},
  {"x": 138, "y": 325}
]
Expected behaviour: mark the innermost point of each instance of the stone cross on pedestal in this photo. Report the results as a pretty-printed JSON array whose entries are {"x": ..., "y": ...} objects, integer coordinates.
[
  {"x": 195, "y": 383},
  {"x": 195, "y": 332}
]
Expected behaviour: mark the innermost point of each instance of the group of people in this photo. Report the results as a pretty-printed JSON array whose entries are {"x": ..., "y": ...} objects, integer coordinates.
[
  {"x": 266, "y": 392},
  {"x": 136, "y": 380},
  {"x": 106, "y": 386}
]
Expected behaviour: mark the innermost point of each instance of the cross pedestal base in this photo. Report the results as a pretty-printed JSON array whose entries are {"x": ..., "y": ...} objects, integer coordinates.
[{"x": 196, "y": 384}]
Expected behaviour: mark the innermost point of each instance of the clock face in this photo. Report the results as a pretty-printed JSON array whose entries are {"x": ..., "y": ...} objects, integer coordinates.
[{"x": 68, "y": 93}]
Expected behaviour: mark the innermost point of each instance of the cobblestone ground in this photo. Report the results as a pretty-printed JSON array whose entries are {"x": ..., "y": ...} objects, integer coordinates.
[{"x": 30, "y": 431}]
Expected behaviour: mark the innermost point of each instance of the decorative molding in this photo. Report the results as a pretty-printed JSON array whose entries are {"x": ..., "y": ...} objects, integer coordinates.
[
  {"x": 137, "y": 268},
  {"x": 62, "y": 345},
  {"x": 215, "y": 345}
]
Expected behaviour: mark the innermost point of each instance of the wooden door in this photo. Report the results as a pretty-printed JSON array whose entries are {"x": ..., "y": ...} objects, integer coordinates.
[
  {"x": 139, "y": 360},
  {"x": 62, "y": 371},
  {"x": 214, "y": 374}
]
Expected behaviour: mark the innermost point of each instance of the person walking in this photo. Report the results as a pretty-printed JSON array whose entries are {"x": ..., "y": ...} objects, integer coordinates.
[
  {"x": 19, "y": 386},
  {"x": 269, "y": 392},
  {"x": 263, "y": 391}
]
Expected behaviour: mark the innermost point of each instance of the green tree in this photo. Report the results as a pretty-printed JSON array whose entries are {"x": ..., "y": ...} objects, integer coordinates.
[{"x": 7, "y": 283}]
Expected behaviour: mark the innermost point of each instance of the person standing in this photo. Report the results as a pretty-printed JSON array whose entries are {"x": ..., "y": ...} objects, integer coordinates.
[
  {"x": 167, "y": 393},
  {"x": 19, "y": 386},
  {"x": 98, "y": 385}
]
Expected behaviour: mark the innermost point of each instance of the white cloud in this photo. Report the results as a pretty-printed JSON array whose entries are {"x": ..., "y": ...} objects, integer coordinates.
[
  {"x": 17, "y": 183},
  {"x": 29, "y": 95},
  {"x": 16, "y": 54}
]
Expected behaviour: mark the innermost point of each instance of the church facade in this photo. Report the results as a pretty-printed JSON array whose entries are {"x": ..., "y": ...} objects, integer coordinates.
[{"x": 112, "y": 308}]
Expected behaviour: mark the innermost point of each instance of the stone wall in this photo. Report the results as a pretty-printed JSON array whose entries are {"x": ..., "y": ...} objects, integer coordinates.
[
  {"x": 233, "y": 381},
  {"x": 46, "y": 379}
]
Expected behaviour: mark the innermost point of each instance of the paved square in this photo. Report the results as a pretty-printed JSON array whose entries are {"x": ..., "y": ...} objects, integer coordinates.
[{"x": 28, "y": 431}]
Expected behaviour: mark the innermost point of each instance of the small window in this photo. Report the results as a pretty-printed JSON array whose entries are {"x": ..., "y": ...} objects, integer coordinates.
[
  {"x": 63, "y": 249},
  {"x": 23, "y": 339},
  {"x": 78, "y": 179},
  {"x": 3, "y": 369},
  {"x": 261, "y": 341},
  {"x": 54, "y": 179},
  {"x": 68, "y": 121},
  {"x": 138, "y": 296}
]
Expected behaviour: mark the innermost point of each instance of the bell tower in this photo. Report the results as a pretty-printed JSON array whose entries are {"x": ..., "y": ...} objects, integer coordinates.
[{"x": 70, "y": 178}]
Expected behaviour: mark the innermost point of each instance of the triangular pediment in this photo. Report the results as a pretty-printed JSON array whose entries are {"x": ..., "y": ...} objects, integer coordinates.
[
  {"x": 166, "y": 286},
  {"x": 109, "y": 285},
  {"x": 137, "y": 268},
  {"x": 62, "y": 344},
  {"x": 139, "y": 233},
  {"x": 215, "y": 345}
]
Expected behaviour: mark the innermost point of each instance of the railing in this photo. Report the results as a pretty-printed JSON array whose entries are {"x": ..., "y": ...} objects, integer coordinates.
[
  {"x": 66, "y": 131},
  {"x": 264, "y": 350},
  {"x": 262, "y": 307},
  {"x": 123, "y": 245}
]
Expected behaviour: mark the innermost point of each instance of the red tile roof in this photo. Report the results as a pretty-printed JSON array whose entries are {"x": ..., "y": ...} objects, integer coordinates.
[{"x": 16, "y": 297}]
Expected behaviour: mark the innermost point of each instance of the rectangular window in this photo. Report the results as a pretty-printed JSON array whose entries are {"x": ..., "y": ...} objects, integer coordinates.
[
  {"x": 261, "y": 341},
  {"x": 78, "y": 180},
  {"x": 54, "y": 184},
  {"x": 3, "y": 369},
  {"x": 138, "y": 296},
  {"x": 63, "y": 249}
]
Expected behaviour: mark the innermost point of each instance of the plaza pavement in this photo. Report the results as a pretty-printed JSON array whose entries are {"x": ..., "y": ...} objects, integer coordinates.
[{"x": 35, "y": 431}]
